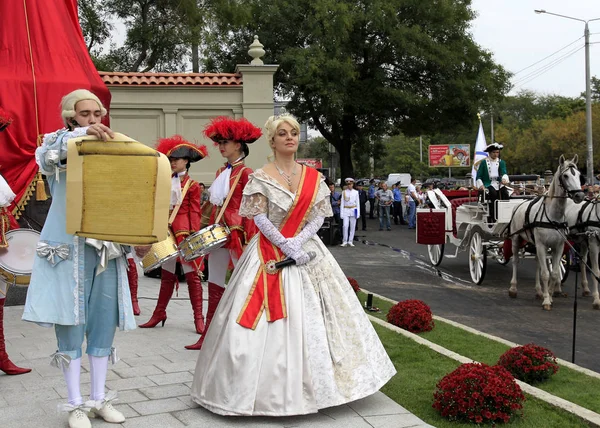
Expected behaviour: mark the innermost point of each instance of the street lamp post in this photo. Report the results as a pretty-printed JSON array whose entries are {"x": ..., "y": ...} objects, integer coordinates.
[{"x": 588, "y": 93}]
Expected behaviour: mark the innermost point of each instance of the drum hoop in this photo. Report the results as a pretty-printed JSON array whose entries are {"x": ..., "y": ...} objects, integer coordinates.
[{"x": 14, "y": 271}]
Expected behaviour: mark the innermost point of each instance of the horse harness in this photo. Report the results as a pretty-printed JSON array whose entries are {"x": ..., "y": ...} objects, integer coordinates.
[
  {"x": 538, "y": 221},
  {"x": 583, "y": 223}
]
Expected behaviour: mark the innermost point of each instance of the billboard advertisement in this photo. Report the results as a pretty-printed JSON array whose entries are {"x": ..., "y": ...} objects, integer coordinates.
[
  {"x": 449, "y": 155},
  {"x": 312, "y": 162}
]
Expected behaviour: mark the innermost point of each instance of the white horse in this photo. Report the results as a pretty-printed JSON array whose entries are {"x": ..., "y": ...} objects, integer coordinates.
[
  {"x": 542, "y": 222},
  {"x": 584, "y": 224}
]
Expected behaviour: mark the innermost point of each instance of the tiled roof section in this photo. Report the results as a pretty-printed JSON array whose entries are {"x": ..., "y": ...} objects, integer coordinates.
[{"x": 170, "y": 79}]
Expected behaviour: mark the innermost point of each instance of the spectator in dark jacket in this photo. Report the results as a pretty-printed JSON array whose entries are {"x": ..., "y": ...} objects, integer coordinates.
[{"x": 362, "y": 199}]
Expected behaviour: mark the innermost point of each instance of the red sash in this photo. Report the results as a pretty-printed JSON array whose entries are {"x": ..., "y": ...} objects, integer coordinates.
[{"x": 267, "y": 289}]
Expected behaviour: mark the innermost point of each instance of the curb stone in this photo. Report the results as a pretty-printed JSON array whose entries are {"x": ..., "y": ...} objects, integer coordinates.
[{"x": 587, "y": 415}]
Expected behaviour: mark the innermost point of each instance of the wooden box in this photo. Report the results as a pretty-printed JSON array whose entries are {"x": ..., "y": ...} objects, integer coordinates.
[
  {"x": 117, "y": 190},
  {"x": 431, "y": 226}
]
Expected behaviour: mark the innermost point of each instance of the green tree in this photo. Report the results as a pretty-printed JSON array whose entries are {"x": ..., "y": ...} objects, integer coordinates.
[
  {"x": 162, "y": 35},
  {"x": 95, "y": 25},
  {"x": 317, "y": 147},
  {"x": 360, "y": 70}
]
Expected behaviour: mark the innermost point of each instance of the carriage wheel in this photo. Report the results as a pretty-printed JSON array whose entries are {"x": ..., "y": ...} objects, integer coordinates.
[
  {"x": 565, "y": 266},
  {"x": 436, "y": 253},
  {"x": 477, "y": 258},
  {"x": 500, "y": 255}
]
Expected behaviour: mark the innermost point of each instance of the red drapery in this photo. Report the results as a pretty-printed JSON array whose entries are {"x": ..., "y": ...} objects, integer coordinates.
[{"x": 42, "y": 58}]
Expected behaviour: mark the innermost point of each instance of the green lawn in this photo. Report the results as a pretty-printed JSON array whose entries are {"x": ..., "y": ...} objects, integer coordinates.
[
  {"x": 420, "y": 368},
  {"x": 567, "y": 383}
]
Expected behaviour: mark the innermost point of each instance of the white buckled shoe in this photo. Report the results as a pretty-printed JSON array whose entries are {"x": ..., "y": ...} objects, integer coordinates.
[
  {"x": 79, "y": 419},
  {"x": 344, "y": 244},
  {"x": 351, "y": 244},
  {"x": 108, "y": 413}
]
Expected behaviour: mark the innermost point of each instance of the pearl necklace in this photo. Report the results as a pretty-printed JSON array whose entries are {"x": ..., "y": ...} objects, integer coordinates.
[{"x": 287, "y": 177}]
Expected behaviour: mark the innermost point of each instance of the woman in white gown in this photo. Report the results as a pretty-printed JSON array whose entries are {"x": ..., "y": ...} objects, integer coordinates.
[{"x": 294, "y": 341}]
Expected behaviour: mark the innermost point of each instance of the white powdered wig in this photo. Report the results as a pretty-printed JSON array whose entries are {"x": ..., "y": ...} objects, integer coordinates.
[{"x": 69, "y": 101}]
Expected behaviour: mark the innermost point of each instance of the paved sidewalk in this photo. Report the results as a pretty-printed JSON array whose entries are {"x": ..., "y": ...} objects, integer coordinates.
[{"x": 153, "y": 379}]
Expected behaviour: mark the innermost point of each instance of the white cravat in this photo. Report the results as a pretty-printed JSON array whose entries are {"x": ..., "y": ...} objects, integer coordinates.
[
  {"x": 176, "y": 188},
  {"x": 220, "y": 187}
]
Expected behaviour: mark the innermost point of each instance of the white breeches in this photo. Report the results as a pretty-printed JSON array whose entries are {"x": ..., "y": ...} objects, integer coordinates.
[
  {"x": 218, "y": 262},
  {"x": 349, "y": 222},
  {"x": 172, "y": 264}
]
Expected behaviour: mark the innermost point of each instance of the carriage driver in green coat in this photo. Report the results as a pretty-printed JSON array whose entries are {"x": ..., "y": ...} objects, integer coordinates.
[{"x": 492, "y": 176}]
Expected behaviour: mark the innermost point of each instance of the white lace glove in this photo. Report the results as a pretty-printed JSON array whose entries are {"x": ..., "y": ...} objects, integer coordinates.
[
  {"x": 290, "y": 248},
  {"x": 309, "y": 230},
  {"x": 270, "y": 231}
]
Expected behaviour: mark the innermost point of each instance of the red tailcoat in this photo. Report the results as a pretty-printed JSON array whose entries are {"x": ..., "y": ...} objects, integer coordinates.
[
  {"x": 242, "y": 228},
  {"x": 187, "y": 220}
]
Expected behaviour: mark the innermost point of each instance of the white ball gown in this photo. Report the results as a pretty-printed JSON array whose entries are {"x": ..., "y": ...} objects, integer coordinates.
[{"x": 324, "y": 353}]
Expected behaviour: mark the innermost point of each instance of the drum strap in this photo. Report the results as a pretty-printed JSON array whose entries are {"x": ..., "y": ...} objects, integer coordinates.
[
  {"x": 176, "y": 208},
  {"x": 222, "y": 210}
]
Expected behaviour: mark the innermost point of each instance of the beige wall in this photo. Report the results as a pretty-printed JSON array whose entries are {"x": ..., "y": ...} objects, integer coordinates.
[{"x": 147, "y": 113}]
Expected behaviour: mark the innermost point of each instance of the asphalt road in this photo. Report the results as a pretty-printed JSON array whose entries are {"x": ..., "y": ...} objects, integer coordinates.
[{"x": 393, "y": 265}]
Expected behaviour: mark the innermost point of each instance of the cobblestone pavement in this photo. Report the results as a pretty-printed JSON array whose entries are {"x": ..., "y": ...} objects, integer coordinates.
[{"x": 153, "y": 379}]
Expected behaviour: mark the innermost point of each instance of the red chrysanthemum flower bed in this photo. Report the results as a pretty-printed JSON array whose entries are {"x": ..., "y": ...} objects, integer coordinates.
[
  {"x": 354, "y": 284},
  {"x": 530, "y": 363},
  {"x": 478, "y": 393},
  {"x": 412, "y": 315}
]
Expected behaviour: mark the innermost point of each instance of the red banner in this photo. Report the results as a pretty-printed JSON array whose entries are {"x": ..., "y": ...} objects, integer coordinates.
[
  {"x": 312, "y": 162},
  {"x": 43, "y": 58}
]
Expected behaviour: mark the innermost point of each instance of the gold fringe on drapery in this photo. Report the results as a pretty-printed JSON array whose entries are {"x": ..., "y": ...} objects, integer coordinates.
[
  {"x": 20, "y": 206},
  {"x": 31, "y": 187},
  {"x": 4, "y": 226}
]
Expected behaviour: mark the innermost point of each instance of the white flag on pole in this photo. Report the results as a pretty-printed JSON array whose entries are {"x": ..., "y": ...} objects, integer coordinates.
[{"x": 480, "y": 146}]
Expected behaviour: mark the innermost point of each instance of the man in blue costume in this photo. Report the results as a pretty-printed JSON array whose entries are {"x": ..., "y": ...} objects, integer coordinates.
[
  {"x": 493, "y": 178},
  {"x": 78, "y": 286}
]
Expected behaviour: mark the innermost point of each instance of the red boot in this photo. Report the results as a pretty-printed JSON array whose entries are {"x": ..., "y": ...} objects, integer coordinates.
[
  {"x": 195, "y": 291},
  {"x": 132, "y": 276},
  {"x": 6, "y": 365},
  {"x": 167, "y": 285},
  {"x": 215, "y": 292}
]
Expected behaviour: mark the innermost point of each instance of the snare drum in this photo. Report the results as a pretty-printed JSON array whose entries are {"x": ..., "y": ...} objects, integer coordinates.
[
  {"x": 203, "y": 242},
  {"x": 160, "y": 253},
  {"x": 16, "y": 261}
]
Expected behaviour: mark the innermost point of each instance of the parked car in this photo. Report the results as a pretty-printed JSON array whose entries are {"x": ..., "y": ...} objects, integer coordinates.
[{"x": 403, "y": 178}]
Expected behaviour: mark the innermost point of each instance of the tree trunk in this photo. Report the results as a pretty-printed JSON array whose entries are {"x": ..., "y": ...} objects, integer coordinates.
[{"x": 344, "y": 148}]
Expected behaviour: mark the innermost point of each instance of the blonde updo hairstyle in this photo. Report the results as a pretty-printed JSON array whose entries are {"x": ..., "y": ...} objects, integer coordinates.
[
  {"x": 273, "y": 124},
  {"x": 67, "y": 105}
]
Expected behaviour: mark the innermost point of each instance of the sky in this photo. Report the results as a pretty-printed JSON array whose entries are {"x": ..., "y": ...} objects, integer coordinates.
[{"x": 518, "y": 38}]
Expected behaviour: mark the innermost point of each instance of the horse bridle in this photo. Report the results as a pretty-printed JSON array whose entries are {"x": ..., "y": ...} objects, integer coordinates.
[{"x": 569, "y": 192}]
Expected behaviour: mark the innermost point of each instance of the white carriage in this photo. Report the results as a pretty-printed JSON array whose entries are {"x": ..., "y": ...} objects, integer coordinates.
[{"x": 463, "y": 223}]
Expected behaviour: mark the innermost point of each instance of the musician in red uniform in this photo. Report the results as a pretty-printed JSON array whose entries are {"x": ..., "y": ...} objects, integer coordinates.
[
  {"x": 232, "y": 137},
  {"x": 185, "y": 194}
]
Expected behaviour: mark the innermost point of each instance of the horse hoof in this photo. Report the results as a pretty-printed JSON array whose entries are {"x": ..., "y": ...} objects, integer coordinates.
[
  {"x": 596, "y": 306},
  {"x": 512, "y": 294},
  {"x": 547, "y": 307},
  {"x": 559, "y": 294}
]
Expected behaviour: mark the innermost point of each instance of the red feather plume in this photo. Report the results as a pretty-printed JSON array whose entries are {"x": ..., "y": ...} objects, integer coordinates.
[
  {"x": 180, "y": 147},
  {"x": 224, "y": 128}
]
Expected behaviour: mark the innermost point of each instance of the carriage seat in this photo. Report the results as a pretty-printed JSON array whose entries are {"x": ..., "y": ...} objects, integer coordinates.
[{"x": 455, "y": 203}]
